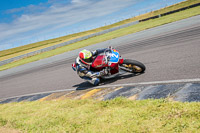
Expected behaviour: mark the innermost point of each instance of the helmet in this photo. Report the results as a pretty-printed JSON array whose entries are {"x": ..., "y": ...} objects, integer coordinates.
[{"x": 85, "y": 57}]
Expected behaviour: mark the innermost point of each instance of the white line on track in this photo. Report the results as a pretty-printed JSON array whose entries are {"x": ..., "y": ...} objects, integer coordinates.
[
  {"x": 106, "y": 86},
  {"x": 154, "y": 83}
]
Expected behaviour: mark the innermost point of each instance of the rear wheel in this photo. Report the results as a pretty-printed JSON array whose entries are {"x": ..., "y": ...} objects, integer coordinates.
[{"x": 133, "y": 66}]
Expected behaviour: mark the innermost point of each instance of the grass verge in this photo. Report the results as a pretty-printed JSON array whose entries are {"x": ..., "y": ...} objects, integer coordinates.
[
  {"x": 121, "y": 32},
  {"x": 117, "y": 115},
  {"x": 10, "y": 53}
]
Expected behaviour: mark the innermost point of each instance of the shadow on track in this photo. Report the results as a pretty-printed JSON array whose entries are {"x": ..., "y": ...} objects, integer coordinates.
[{"x": 86, "y": 85}]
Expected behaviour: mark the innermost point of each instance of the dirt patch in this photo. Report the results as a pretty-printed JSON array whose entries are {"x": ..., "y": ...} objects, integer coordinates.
[{"x": 8, "y": 130}]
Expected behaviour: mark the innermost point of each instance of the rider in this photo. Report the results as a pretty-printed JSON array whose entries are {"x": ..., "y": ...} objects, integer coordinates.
[{"x": 83, "y": 66}]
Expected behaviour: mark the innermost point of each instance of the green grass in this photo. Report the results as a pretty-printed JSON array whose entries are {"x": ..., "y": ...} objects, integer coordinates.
[
  {"x": 118, "y": 115},
  {"x": 6, "y": 54},
  {"x": 121, "y": 32}
]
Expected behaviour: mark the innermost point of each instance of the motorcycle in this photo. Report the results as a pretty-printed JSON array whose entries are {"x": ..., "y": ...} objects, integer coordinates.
[{"x": 115, "y": 65}]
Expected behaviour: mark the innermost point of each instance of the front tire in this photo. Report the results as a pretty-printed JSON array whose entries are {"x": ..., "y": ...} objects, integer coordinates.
[{"x": 133, "y": 66}]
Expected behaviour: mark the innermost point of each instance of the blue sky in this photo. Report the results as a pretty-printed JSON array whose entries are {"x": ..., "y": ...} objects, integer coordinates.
[{"x": 27, "y": 21}]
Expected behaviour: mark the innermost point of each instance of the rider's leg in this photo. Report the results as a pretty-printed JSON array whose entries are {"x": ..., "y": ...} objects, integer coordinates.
[{"x": 94, "y": 81}]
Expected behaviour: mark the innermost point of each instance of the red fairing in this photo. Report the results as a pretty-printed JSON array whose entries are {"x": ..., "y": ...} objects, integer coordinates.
[
  {"x": 114, "y": 65},
  {"x": 99, "y": 62},
  {"x": 121, "y": 61},
  {"x": 115, "y": 69}
]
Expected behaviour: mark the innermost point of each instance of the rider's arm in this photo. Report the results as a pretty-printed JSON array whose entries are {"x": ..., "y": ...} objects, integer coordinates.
[{"x": 98, "y": 51}]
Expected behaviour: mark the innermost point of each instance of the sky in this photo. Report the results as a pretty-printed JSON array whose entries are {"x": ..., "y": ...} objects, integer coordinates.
[{"x": 27, "y": 21}]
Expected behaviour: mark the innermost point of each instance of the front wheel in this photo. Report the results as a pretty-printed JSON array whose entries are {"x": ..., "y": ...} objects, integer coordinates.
[{"x": 133, "y": 66}]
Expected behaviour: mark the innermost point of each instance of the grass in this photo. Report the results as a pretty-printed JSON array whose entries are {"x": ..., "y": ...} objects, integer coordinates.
[
  {"x": 6, "y": 54},
  {"x": 117, "y": 115},
  {"x": 121, "y": 32}
]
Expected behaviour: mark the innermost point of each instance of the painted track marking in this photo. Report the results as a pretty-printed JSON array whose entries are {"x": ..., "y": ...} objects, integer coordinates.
[{"x": 118, "y": 85}]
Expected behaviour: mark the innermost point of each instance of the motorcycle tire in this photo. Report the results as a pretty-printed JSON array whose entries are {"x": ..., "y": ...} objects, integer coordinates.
[{"x": 133, "y": 66}]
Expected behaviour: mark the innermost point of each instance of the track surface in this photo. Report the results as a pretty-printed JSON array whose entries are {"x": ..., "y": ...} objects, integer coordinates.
[{"x": 169, "y": 54}]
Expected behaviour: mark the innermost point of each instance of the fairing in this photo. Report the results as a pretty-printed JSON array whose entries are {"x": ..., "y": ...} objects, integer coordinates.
[{"x": 109, "y": 59}]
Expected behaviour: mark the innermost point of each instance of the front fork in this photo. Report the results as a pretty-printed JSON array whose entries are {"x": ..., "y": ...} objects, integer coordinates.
[{"x": 123, "y": 68}]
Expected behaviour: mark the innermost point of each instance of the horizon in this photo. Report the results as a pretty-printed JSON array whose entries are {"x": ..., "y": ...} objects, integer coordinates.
[{"x": 32, "y": 21}]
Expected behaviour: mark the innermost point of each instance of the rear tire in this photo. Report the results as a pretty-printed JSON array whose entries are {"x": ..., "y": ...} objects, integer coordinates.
[{"x": 133, "y": 66}]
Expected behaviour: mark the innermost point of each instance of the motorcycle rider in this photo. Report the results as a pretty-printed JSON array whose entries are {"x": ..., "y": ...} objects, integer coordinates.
[{"x": 83, "y": 66}]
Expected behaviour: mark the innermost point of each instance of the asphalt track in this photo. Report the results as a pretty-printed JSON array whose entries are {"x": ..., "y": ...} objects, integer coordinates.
[{"x": 169, "y": 52}]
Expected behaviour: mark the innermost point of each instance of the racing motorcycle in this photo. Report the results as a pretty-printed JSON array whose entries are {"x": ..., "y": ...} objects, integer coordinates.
[{"x": 115, "y": 64}]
